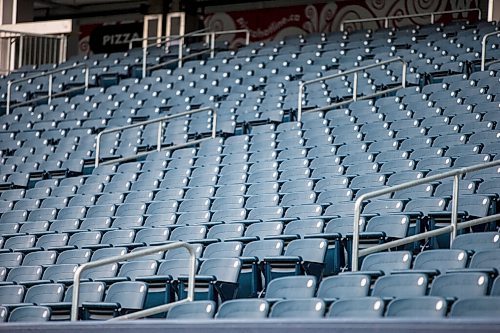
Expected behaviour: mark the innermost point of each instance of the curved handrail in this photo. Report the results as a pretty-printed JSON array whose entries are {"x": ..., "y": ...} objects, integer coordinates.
[
  {"x": 132, "y": 255},
  {"x": 483, "y": 47},
  {"x": 160, "y": 122},
  {"x": 50, "y": 94},
  {"x": 449, "y": 229},
  {"x": 355, "y": 88},
  {"x": 386, "y": 19}
]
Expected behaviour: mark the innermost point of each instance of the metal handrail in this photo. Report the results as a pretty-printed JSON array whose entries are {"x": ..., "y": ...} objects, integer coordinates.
[
  {"x": 483, "y": 47},
  {"x": 29, "y": 34},
  {"x": 173, "y": 61},
  {"x": 132, "y": 255},
  {"x": 454, "y": 211},
  {"x": 201, "y": 34},
  {"x": 197, "y": 33},
  {"x": 355, "y": 87},
  {"x": 168, "y": 39},
  {"x": 386, "y": 19},
  {"x": 50, "y": 94},
  {"x": 160, "y": 122},
  {"x": 164, "y": 39}
]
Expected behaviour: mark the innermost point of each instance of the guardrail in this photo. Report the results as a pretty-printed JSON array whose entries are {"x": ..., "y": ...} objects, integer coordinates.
[
  {"x": 387, "y": 19},
  {"x": 132, "y": 255},
  {"x": 483, "y": 47},
  {"x": 452, "y": 228},
  {"x": 160, "y": 122},
  {"x": 355, "y": 96},
  {"x": 50, "y": 95},
  {"x": 21, "y": 48},
  {"x": 173, "y": 61},
  {"x": 210, "y": 39},
  {"x": 167, "y": 40},
  {"x": 160, "y": 40}
]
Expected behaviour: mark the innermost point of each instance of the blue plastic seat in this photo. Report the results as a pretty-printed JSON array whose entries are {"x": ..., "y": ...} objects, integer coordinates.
[
  {"x": 312, "y": 308},
  {"x": 121, "y": 298},
  {"x": 302, "y": 256},
  {"x": 417, "y": 307},
  {"x": 343, "y": 286},
  {"x": 460, "y": 285},
  {"x": 479, "y": 307},
  {"x": 30, "y": 314},
  {"x": 291, "y": 287},
  {"x": 197, "y": 310},
  {"x": 243, "y": 309},
  {"x": 363, "y": 307},
  {"x": 217, "y": 279},
  {"x": 400, "y": 286}
]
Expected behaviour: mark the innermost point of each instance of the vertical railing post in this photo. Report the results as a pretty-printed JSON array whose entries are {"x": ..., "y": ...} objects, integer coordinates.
[
  {"x": 181, "y": 46},
  {"x": 50, "y": 89},
  {"x": 386, "y": 23},
  {"x": 299, "y": 106},
  {"x": 432, "y": 18},
  {"x": 483, "y": 52},
  {"x": 144, "y": 62},
  {"x": 21, "y": 50},
  {"x": 355, "y": 234},
  {"x": 214, "y": 123},
  {"x": 87, "y": 77},
  {"x": 212, "y": 44},
  {"x": 97, "y": 149},
  {"x": 403, "y": 75},
  {"x": 9, "y": 93},
  {"x": 76, "y": 295},
  {"x": 454, "y": 208},
  {"x": 158, "y": 136},
  {"x": 355, "y": 87}
]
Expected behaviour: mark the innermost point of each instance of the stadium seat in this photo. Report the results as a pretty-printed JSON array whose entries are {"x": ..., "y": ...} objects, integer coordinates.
[
  {"x": 417, "y": 307},
  {"x": 243, "y": 309},
  {"x": 197, "y": 310}
]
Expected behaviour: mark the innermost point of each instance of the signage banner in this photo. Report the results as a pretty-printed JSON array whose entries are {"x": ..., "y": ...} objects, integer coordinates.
[{"x": 276, "y": 23}]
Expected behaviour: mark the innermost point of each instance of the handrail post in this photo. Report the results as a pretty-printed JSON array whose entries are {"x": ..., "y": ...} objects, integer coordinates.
[
  {"x": 87, "y": 77},
  {"x": 144, "y": 62},
  {"x": 299, "y": 106},
  {"x": 247, "y": 37},
  {"x": 483, "y": 47},
  {"x": 454, "y": 208},
  {"x": 403, "y": 75},
  {"x": 158, "y": 137},
  {"x": 21, "y": 49},
  {"x": 180, "y": 47},
  {"x": 386, "y": 23},
  {"x": 75, "y": 299},
  {"x": 355, "y": 87},
  {"x": 214, "y": 123},
  {"x": 432, "y": 18},
  {"x": 355, "y": 234},
  {"x": 50, "y": 89},
  {"x": 212, "y": 45},
  {"x": 483, "y": 51},
  {"x": 9, "y": 88},
  {"x": 97, "y": 149}
]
